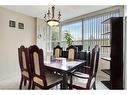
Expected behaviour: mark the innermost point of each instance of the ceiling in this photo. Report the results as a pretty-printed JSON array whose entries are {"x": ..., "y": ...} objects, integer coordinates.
[{"x": 67, "y": 11}]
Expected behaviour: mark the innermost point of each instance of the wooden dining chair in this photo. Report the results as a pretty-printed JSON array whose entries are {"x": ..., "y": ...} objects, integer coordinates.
[
  {"x": 57, "y": 52},
  {"x": 80, "y": 80},
  {"x": 25, "y": 68},
  {"x": 41, "y": 77},
  {"x": 82, "y": 55},
  {"x": 85, "y": 56},
  {"x": 72, "y": 51}
]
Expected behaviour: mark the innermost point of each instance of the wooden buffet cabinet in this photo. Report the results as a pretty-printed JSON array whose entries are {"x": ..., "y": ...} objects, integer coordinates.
[{"x": 116, "y": 53}]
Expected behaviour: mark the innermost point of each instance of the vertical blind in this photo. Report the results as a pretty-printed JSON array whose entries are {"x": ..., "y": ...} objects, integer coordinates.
[
  {"x": 93, "y": 31},
  {"x": 75, "y": 29},
  {"x": 97, "y": 33}
]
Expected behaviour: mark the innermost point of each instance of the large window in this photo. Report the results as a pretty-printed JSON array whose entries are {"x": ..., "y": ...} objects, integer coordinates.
[
  {"x": 90, "y": 31},
  {"x": 75, "y": 29},
  {"x": 95, "y": 32}
]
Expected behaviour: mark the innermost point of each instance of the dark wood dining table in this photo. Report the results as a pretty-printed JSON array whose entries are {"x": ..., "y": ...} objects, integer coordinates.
[{"x": 64, "y": 66}]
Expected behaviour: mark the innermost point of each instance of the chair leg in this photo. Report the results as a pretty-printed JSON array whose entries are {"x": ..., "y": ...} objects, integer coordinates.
[
  {"x": 94, "y": 86},
  {"x": 57, "y": 87},
  {"x": 25, "y": 82},
  {"x": 20, "y": 87},
  {"x": 33, "y": 85},
  {"x": 71, "y": 80},
  {"x": 29, "y": 86},
  {"x": 61, "y": 85}
]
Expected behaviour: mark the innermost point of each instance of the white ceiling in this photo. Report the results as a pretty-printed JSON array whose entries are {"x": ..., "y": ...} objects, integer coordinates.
[{"x": 67, "y": 11}]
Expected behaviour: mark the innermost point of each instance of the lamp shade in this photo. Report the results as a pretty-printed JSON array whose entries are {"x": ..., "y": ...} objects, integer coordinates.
[{"x": 53, "y": 22}]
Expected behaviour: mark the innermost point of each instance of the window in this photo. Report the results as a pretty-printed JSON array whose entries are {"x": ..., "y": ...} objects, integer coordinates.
[
  {"x": 55, "y": 36},
  {"x": 90, "y": 31},
  {"x": 75, "y": 29},
  {"x": 95, "y": 32}
]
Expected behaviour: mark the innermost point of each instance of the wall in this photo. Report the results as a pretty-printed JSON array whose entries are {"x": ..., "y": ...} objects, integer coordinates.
[{"x": 11, "y": 39}]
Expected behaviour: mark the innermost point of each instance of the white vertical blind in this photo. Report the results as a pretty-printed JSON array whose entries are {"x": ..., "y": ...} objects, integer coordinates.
[
  {"x": 92, "y": 30},
  {"x": 75, "y": 29}
]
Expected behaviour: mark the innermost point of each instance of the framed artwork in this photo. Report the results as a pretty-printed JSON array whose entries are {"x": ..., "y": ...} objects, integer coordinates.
[
  {"x": 12, "y": 23},
  {"x": 21, "y": 25}
]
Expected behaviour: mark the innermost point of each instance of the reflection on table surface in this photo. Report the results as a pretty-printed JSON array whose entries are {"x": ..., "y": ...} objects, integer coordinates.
[{"x": 62, "y": 63}]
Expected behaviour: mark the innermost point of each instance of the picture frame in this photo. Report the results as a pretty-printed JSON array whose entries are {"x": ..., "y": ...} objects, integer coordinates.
[
  {"x": 12, "y": 23},
  {"x": 21, "y": 25}
]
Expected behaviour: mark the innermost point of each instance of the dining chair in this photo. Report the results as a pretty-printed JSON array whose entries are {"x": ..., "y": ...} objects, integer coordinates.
[
  {"x": 72, "y": 52},
  {"x": 82, "y": 55},
  {"x": 41, "y": 77},
  {"x": 86, "y": 55},
  {"x": 80, "y": 80},
  {"x": 25, "y": 68},
  {"x": 57, "y": 52}
]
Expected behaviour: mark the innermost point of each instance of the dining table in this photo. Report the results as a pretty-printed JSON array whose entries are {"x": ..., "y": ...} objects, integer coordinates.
[{"x": 64, "y": 66}]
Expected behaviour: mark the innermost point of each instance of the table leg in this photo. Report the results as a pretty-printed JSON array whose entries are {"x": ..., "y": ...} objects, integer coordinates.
[{"x": 65, "y": 85}]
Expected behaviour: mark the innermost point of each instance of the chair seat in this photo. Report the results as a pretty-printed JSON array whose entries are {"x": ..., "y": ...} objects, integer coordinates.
[
  {"x": 80, "y": 82},
  {"x": 77, "y": 81},
  {"x": 50, "y": 78},
  {"x": 24, "y": 73},
  {"x": 82, "y": 74}
]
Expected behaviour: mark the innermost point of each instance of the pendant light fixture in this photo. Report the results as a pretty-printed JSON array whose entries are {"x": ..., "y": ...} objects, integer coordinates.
[{"x": 50, "y": 17}]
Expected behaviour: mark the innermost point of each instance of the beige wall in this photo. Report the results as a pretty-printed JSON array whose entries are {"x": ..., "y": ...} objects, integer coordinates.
[{"x": 11, "y": 39}]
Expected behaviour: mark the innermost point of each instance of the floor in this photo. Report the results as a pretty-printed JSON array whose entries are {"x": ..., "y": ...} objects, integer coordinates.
[{"x": 13, "y": 84}]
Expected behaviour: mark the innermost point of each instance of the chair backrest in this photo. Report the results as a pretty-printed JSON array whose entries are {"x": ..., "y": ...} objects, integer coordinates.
[
  {"x": 37, "y": 63},
  {"x": 57, "y": 52},
  {"x": 81, "y": 55},
  {"x": 24, "y": 60},
  {"x": 72, "y": 52},
  {"x": 64, "y": 54},
  {"x": 94, "y": 60}
]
